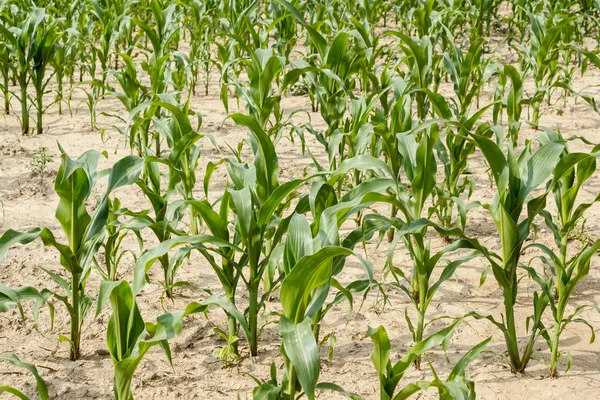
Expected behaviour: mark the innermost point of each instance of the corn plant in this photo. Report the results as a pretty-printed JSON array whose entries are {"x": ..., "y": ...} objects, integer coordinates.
[
  {"x": 421, "y": 14},
  {"x": 257, "y": 199},
  {"x": 285, "y": 32},
  {"x": 257, "y": 232},
  {"x": 129, "y": 338},
  {"x": 364, "y": 34},
  {"x": 108, "y": 21},
  {"x": 425, "y": 263},
  {"x": 263, "y": 69},
  {"x": 454, "y": 156},
  {"x": 81, "y": 30},
  {"x": 354, "y": 137},
  {"x": 303, "y": 292},
  {"x": 218, "y": 243},
  {"x": 423, "y": 65},
  {"x": 42, "y": 389},
  {"x": 182, "y": 163},
  {"x": 542, "y": 57},
  {"x": 63, "y": 61},
  {"x": 132, "y": 94},
  {"x": 419, "y": 165},
  {"x": 116, "y": 231},
  {"x": 456, "y": 386},
  {"x": 467, "y": 72},
  {"x": 94, "y": 92},
  {"x": 47, "y": 42},
  {"x": 201, "y": 27},
  {"x": 515, "y": 179},
  {"x": 163, "y": 33},
  {"x": 32, "y": 43},
  {"x": 514, "y": 102},
  {"x": 181, "y": 138},
  {"x": 84, "y": 232},
  {"x": 571, "y": 172},
  {"x": 323, "y": 229},
  {"x": 226, "y": 63},
  {"x": 178, "y": 74},
  {"x": 299, "y": 348},
  {"x": 329, "y": 215},
  {"x": 334, "y": 77},
  {"x": 400, "y": 111}
]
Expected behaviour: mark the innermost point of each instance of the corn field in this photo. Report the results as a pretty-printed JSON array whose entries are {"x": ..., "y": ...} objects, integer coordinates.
[{"x": 289, "y": 199}]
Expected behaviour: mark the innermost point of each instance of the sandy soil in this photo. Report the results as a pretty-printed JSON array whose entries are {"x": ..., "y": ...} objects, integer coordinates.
[{"x": 196, "y": 372}]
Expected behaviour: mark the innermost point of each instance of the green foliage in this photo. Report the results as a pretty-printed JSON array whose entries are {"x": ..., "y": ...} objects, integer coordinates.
[
  {"x": 129, "y": 338},
  {"x": 395, "y": 91},
  {"x": 39, "y": 162},
  {"x": 41, "y": 384}
]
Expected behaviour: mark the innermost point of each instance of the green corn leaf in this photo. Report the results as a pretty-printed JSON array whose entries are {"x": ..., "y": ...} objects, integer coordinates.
[
  {"x": 309, "y": 273},
  {"x": 144, "y": 263},
  {"x": 301, "y": 348},
  {"x": 265, "y": 159},
  {"x": 338, "y": 389},
  {"x": 298, "y": 241},
  {"x": 381, "y": 351},
  {"x": 41, "y": 384},
  {"x": 74, "y": 182},
  {"x": 459, "y": 369}
]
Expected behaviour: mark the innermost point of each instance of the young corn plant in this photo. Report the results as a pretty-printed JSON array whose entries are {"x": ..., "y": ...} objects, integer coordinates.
[
  {"x": 365, "y": 36},
  {"x": 84, "y": 231},
  {"x": 227, "y": 65},
  {"x": 420, "y": 167},
  {"x": 181, "y": 162},
  {"x": 257, "y": 200},
  {"x": 423, "y": 64},
  {"x": 132, "y": 93},
  {"x": 32, "y": 44},
  {"x": 454, "y": 156},
  {"x": 542, "y": 57},
  {"x": 129, "y": 338},
  {"x": 178, "y": 75},
  {"x": 515, "y": 180},
  {"x": 94, "y": 91},
  {"x": 262, "y": 101},
  {"x": 355, "y": 135},
  {"x": 303, "y": 293},
  {"x": 329, "y": 215},
  {"x": 116, "y": 232},
  {"x": 467, "y": 72},
  {"x": 163, "y": 33},
  {"x": 425, "y": 264},
  {"x": 514, "y": 102},
  {"x": 200, "y": 23},
  {"x": 456, "y": 386},
  {"x": 285, "y": 32},
  {"x": 107, "y": 22},
  {"x": 399, "y": 109},
  {"x": 62, "y": 62},
  {"x": 333, "y": 77},
  {"x": 570, "y": 174},
  {"x": 181, "y": 138},
  {"x": 83, "y": 55}
]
